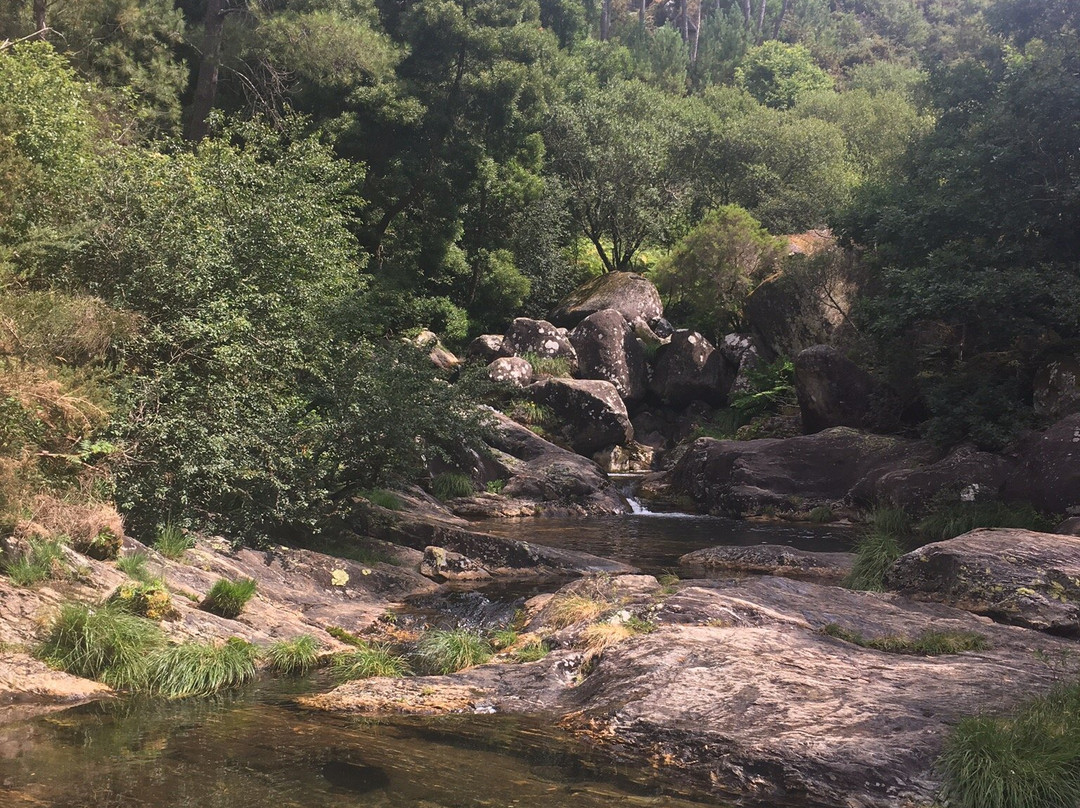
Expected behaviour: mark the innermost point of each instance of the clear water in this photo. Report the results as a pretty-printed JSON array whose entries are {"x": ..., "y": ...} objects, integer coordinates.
[{"x": 255, "y": 750}]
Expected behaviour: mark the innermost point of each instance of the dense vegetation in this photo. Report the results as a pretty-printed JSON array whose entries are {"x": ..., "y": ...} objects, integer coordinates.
[{"x": 219, "y": 221}]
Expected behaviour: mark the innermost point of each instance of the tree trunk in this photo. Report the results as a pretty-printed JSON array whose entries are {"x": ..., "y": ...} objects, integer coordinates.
[
  {"x": 697, "y": 34},
  {"x": 206, "y": 86},
  {"x": 780, "y": 19},
  {"x": 641, "y": 14},
  {"x": 605, "y": 21},
  {"x": 39, "y": 17},
  {"x": 747, "y": 12},
  {"x": 685, "y": 22},
  {"x": 761, "y": 22}
]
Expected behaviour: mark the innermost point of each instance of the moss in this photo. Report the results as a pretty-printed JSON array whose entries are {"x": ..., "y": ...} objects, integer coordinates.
[
  {"x": 928, "y": 643},
  {"x": 145, "y": 599}
]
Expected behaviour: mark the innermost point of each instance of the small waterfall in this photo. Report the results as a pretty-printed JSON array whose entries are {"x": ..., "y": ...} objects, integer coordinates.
[{"x": 628, "y": 485}]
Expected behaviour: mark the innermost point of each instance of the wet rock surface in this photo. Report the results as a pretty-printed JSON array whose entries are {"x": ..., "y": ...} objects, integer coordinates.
[{"x": 771, "y": 559}]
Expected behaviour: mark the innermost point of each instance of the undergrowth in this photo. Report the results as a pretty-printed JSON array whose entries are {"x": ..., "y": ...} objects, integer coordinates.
[
  {"x": 172, "y": 542},
  {"x": 296, "y": 657},
  {"x": 201, "y": 669},
  {"x": 45, "y": 559},
  {"x": 451, "y": 485},
  {"x": 367, "y": 661}
]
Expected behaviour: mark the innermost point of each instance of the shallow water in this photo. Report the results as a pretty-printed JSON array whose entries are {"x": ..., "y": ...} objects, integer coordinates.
[{"x": 254, "y": 750}]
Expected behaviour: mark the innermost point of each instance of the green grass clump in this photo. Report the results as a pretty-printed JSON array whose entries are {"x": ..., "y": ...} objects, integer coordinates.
[
  {"x": 529, "y": 413},
  {"x": 531, "y": 651},
  {"x": 367, "y": 661},
  {"x": 228, "y": 598},
  {"x": 451, "y": 485},
  {"x": 957, "y": 518},
  {"x": 201, "y": 669},
  {"x": 384, "y": 499},
  {"x": 552, "y": 367},
  {"x": 172, "y": 542},
  {"x": 887, "y": 534},
  {"x": 450, "y": 651},
  {"x": 149, "y": 599},
  {"x": 296, "y": 657},
  {"x": 134, "y": 566},
  {"x": 495, "y": 486},
  {"x": 1028, "y": 760},
  {"x": 347, "y": 637},
  {"x": 503, "y": 638},
  {"x": 929, "y": 643},
  {"x": 822, "y": 514},
  {"x": 44, "y": 560},
  {"x": 103, "y": 643}
]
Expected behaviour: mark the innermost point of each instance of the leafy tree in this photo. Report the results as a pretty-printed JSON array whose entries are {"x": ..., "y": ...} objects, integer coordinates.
[{"x": 777, "y": 74}]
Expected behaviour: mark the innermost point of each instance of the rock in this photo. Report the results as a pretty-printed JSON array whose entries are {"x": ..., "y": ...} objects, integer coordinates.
[
  {"x": 662, "y": 328},
  {"x": 965, "y": 475},
  {"x": 1014, "y": 576},
  {"x": 594, "y": 413},
  {"x": 791, "y": 311},
  {"x": 832, "y": 390},
  {"x": 1047, "y": 471},
  {"x": 1070, "y": 527},
  {"x": 1057, "y": 387},
  {"x": 538, "y": 337},
  {"x": 437, "y": 352},
  {"x": 649, "y": 338},
  {"x": 740, "y": 697},
  {"x": 608, "y": 350},
  {"x": 29, "y": 687},
  {"x": 511, "y": 370},
  {"x": 632, "y": 295},
  {"x": 689, "y": 369},
  {"x": 446, "y": 565},
  {"x": 772, "y": 559},
  {"x": 626, "y": 459},
  {"x": 740, "y": 353},
  {"x": 746, "y": 477},
  {"x": 486, "y": 348}
]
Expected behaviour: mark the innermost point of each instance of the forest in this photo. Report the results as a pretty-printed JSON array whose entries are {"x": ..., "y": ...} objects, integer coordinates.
[{"x": 222, "y": 220}]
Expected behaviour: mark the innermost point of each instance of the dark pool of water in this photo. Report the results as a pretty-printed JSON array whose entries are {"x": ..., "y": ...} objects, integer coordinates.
[
  {"x": 255, "y": 750},
  {"x": 654, "y": 542}
]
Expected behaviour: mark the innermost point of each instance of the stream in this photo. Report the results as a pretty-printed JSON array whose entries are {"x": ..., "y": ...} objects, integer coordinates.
[{"x": 255, "y": 749}]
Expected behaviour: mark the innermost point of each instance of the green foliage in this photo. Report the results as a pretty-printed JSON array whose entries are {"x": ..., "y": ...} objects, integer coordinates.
[
  {"x": 769, "y": 387},
  {"x": 450, "y": 651},
  {"x": 451, "y": 484},
  {"x": 928, "y": 643},
  {"x": 104, "y": 643},
  {"x": 708, "y": 275},
  {"x": 887, "y": 532},
  {"x": 383, "y": 498},
  {"x": 296, "y": 657},
  {"x": 530, "y": 413},
  {"x": 367, "y": 661},
  {"x": 228, "y": 598},
  {"x": 172, "y": 542},
  {"x": 133, "y": 565},
  {"x": 149, "y": 599},
  {"x": 45, "y": 559},
  {"x": 531, "y": 651},
  {"x": 503, "y": 638},
  {"x": 778, "y": 74},
  {"x": 201, "y": 669},
  {"x": 495, "y": 486},
  {"x": 341, "y": 635},
  {"x": 822, "y": 515},
  {"x": 549, "y": 367},
  {"x": 1030, "y": 759},
  {"x": 955, "y": 519}
]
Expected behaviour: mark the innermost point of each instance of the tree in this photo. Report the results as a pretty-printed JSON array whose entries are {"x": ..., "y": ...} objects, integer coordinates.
[{"x": 776, "y": 74}]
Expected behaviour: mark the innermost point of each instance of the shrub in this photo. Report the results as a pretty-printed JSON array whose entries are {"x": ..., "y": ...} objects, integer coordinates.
[
  {"x": 450, "y": 651},
  {"x": 929, "y": 643},
  {"x": 1028, "y": 760},
  {"x": 104, "y": 643},
  {"x": 451, "y": 484},
  {"x": 822, "y": 514},
  {"x": 172, "y": 542},
  {"x": 295, "y": 657},
  {"x": 44, "y": 560},
  {"x": 146, "y": 599},
  {"x": 958, "y": 518},
  {"x": 228, "y": 598},
  {"x": 495, "y": 486},
  {"x": 384, "y": 499},
  {"x": 888, "y": 530},
  {"x": 367, "y": 661},
  {"x": 201, "y": 669}
]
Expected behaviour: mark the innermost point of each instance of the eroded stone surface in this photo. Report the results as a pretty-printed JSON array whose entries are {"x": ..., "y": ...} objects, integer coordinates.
[
  {"x": 630, "y": 294},
  {"x": 771, "y": 559}
]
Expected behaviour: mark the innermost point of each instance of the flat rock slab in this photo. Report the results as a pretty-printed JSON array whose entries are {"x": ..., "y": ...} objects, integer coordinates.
[
  {"x": 1014, "y": 576},
  {"x": 29, "y": 687},
  {"x": 740, "y": 696},
  {"x": 772, "y": 559}
]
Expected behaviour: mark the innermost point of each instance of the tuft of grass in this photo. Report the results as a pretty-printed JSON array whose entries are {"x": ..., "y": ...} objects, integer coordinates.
[
  {"x": 201, "y": 669},
  {"x": 822, "y": 515},
  {"x": 495, "y": 486},
  {"x": 531, "y": 651},
  {"x": 566, "y": 610},
  {"x": 347, "y": 637},
  {"x": 44, "y": 560},
  {"x": 450, "y": 651},
  {"x": 955, "y": 519},
  {"x": 148, "y": 599},
  {"x": 551, "y": 367},
  {"x": 172, "y": 542},
  {"x": 103, "y": 643},
  {"x": 384, "y": 499},
  {"x": 134, "y": 566},
  {"x": 228, "y": 598},
  {"x": 529, "y": 413},
  {"x": 929, "y": 643},
  {"x": 1028, "y": 760},
  {"x": 888, "y": 532},
  {"x": 599, "y": 636},
  {"x": 296, "y": 657},
  {"x": 503, "y": 638},
  {"x": 367, "y": 661},
  {"x": 451, "y": 485}
]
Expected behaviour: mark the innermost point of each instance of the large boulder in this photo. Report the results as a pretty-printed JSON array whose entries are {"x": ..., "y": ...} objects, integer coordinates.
[
  {"x": 486, "y": 348},
  {"x": 594, "y": 414},
  {"x": 632, "y": 295},
  {"x": 965, "y": 475},
  {"x": 1014, "y": 576},
  {"x": 511, "y": 370},
  {"x": 791, "y": 311},
  {"x": 1057, "y": 387},
  {"x": 770, "y": 559},
  {"x": 1047, "y": 471},
  {"x": 742, "y": 355},
  {"x": 539, "y": 338},
  {"x": 832, "y": 390},
  {"x": 747, "y": 477},
  {"x": 690, "y": 369},
  {"x": 608, "y": 350}
]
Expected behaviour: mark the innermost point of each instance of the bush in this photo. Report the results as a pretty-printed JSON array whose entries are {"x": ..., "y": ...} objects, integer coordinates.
[
  {"x": 822, "y": 515},
  {"x": 228, "y": 598},
  {"x": 929, "y": 643},
  {"x": 296, "y": 657},
  {"x": 44, "y": 560},
  {"x": 201, "y": 669},
  {"x": 451, "y": 484},
  {"x": 887, "y": 533},
  {"x": 104, "y": 643},
  {"x": 367, "y": 661},
  {"x": 449, "y": 651},
  {"x": 172, "y": 542},
  {"x": 1028, "y": 760},
  {"x": 146, "y": 599},
  {"x": 949, "y": 521}
]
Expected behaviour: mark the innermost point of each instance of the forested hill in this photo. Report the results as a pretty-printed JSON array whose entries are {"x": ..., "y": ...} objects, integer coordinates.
[{"x": 219, "y": 219}]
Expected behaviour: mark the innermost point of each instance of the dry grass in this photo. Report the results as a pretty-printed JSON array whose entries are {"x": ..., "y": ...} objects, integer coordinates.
[
  {"x": 93, "y": 528},
  {"x": 69, "y": 328},
  {"x": 566, "y": 610},
  {"x": 599, "y": 636}
]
